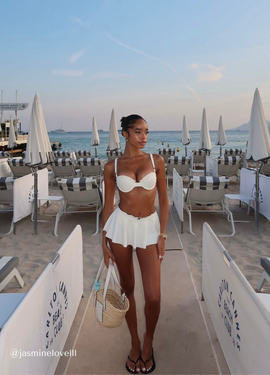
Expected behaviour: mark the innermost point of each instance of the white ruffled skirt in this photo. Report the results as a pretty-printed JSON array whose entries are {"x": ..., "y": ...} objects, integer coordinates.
[{"x": 127, "y": 230}]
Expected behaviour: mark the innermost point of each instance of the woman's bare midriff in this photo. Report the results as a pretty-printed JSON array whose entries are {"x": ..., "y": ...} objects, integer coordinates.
[{"x": 138, "y": 202}]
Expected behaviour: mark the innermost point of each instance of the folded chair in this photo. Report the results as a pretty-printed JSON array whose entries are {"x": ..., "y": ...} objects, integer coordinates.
[
  {"x": 6, "y": 195},
  {"x": 228, "y": 165},
  {"x": 111, "y": 155},
  {"x": 81, "y": 193},
  {"x": 166, "y": 152},
  {"x": 8, "y": 270},
  {"x": 90, "y": 167},
  {"x": 64, "y": 168},
  {"x": 18, "y": 167},
  {"x": 181, "y": 164},
  {"x": 207, "y": 191}
]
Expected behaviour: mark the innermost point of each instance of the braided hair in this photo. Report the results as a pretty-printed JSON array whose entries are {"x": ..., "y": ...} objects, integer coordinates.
[{"x": 127, "y": 122}]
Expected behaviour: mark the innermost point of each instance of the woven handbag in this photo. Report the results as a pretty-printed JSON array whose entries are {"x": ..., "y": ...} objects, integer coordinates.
[{"x": 110, "y": 306}]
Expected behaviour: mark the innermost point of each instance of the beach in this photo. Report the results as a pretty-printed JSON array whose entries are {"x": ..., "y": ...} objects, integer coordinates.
[{"x": 246, "y": 247}]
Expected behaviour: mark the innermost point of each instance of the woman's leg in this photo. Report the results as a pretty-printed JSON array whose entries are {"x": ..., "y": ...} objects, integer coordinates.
[
  {"x": 150, "y": 269},
  {"x": 124, "y": 261}
]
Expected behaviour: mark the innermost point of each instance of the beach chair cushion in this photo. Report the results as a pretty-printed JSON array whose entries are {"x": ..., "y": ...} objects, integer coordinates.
[
  {"x": 77, "y": 184},
  {"x": 16, "y": 162},
  {"x": 201, "y": 152},
  {"x": 61, "y": 154},
  {"x": 6, "y": 183},
  {"x": 60, "y": 162},
  {"x": 208, "y": 182},
  {"x": 89, "y": 161},
  {"x": 166, "y": 151},
  {"x": 82, "y": 154},
  {"x": 4, "y": 154},
  {"x": 114, "y": 153},
  {"x": 229, "y": 160},
  {"x": 179, "y": 160},
  {"x": 231, "y": 151}
]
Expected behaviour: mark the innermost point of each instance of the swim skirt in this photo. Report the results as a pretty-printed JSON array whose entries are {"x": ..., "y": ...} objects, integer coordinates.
[{"x": 127, "y": 230}]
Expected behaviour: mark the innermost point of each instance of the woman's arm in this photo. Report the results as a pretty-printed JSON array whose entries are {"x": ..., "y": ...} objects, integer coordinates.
[
  {"x": 163, "y": 202},
  {"x": 108, "y": 207}
]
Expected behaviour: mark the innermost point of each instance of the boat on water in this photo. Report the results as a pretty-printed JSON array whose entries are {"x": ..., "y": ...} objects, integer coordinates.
[{"x": 58, "y": 131}]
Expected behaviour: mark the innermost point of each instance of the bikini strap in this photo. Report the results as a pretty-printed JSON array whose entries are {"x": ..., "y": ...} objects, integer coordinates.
[
  {"x": 152, "y": 159},
  {"x": 115, "y": 167}
]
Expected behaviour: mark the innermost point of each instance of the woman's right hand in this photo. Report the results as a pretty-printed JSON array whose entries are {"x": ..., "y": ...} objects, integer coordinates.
[{"x": 107, "y": 254}]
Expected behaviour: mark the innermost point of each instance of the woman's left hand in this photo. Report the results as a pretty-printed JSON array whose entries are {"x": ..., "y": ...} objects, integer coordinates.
[{"x": 161, "y": 248}]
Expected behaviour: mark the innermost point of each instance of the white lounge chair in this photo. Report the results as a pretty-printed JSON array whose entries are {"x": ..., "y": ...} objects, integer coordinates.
[
  {"x": 265, "y": 276},
  {"x": 204, "y": 192},
  {"x": 6, "y": 196},
  {"x": 82, "y": 154},
  {"x": 233, "y": 152},
  {"x": 62, "y": 154},
  {"x": 64, "y": 168},
  {"x": 90, "y": 167},
  {"x": 265, "y": 168},
  {"x": 81, "y": 193},
  {"x": 18, "y": 167},
  {"x": 111, "y": 155},
  {"x": 8, "y": 270},
  {"x": 228, "y": 166},
  {"x": 199, "y": 156},
  {"x": 180, "y": 164},
  {"x": 166, "y": 153}
]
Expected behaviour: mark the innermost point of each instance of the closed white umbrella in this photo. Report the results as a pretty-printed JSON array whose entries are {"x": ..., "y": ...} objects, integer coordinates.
[
  {"x": 221, "y": 136},
  {"x": 38, "y": 149},
  {"x": 11, "y": 138},
  {"x": 258, "y": 141},
  {"x": 185, "y": 139},
  {"x": 95, "y": 136},
  {"x": 113, "y": 141},
  {"x": 205, "y": 141}
]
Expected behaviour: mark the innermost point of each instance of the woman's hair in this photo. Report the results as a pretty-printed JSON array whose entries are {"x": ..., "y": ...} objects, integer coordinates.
[{"x": 127, "y": 122}]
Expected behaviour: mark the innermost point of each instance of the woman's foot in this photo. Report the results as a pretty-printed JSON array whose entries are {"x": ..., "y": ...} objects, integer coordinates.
[
  {"x": 147, "y": 357},
  {"x": 133, "y": 364}
]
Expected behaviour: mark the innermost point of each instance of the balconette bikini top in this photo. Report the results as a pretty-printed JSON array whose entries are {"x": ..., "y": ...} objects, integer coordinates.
[{"x": 126, "y": 183}]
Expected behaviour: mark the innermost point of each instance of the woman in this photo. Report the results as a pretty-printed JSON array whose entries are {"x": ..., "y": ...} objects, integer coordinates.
[{"x": 135, "y": 224}]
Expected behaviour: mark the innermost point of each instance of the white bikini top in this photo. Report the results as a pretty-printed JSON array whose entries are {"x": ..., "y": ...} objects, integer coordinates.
[{"x": 126, "y": 183}]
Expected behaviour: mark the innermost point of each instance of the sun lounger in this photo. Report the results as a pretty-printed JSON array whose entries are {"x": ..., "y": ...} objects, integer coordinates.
[
  {"x": 204, "y": 192},
  {"x": 90, "y": 167},
  {"x": 199, "y": 156},
  {"x": 63, "y": 168},
  {"x": 62, "y": 154},
  {"x": 8, "y": 270},
  {"x": 228, "y": 165},
  {"x": 6, "y": 196},
  {"x": 166, "y": 153},
  {"x": 265, "y": 169},
  {"x": 18, "y": 167},
  {"x": 4, "y": 154},
  {"x": 265, "y": 263},
  {"x": 233, "y": 152},
  {"x": 111, "y": 155},
  {"x": 81, "y": 193},
  {"x": 180, "y": 164},
  {"x": 82, "y": 154}
]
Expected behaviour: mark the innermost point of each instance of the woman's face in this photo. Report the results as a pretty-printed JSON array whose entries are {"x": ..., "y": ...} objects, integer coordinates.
[{"x": 137, "y": 135}]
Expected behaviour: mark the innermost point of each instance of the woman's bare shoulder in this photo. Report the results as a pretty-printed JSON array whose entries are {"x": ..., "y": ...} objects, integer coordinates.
[
  {"x": 159, "y": 161},
  {"x": 109, "y": 167}
]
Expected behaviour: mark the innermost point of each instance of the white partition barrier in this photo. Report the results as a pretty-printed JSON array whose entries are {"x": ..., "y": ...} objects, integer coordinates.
[
  {"x": 211, "y": 166},
  {"x": 178, "y": 198},
  {"x": 248, "y": 186},
  {"x": 32, "y": 339},
  {"x": 23, "y": 193},
  {"x": 240, "y": 316}
]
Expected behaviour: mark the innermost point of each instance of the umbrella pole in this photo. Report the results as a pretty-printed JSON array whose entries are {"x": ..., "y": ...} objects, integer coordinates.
[
  {"x": 220, "y": 151},
  {"x": 186, "y": 151},
  {"x": 257, "y": 197},
  {"x": 95, "y": 151},
  {"x": 35, "y": 200}
]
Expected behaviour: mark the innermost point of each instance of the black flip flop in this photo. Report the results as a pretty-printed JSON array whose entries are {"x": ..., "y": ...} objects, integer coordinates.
[
  {"x": 135, "y": 363},
  {"x": 149, "y": 359}
]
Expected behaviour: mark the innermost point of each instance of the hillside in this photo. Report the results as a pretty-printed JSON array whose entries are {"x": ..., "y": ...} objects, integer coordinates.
[{"x": 246, "y": 126}]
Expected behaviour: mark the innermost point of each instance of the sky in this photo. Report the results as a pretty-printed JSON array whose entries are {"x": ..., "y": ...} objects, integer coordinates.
[{"x": 161, "y": 59}]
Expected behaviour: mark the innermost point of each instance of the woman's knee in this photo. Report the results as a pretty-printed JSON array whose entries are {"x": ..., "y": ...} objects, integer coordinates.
[
  {"x": 128, "y": 288},
  {"x": 153, "y": 301}
]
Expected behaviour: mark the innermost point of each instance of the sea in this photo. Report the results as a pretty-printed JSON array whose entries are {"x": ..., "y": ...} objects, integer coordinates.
[{"x": 72, "y": 141}]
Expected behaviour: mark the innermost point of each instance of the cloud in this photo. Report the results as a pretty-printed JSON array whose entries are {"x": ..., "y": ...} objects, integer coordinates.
[
  {"x": 207, "y": 73},
  {"x": 68, "y": 73},
  {"x": 76, "y": 56},
  {"x": 193, "y": 66},
  {"x": 104, "y": 75},
  {"x": 82, "y": 23},
  {"x": 140, "y": 52},
  {"x": 193, "y": 91}
]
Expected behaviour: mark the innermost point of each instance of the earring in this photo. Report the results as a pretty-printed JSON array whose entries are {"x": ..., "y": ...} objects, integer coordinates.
[{"x": 126, "y": 139}]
